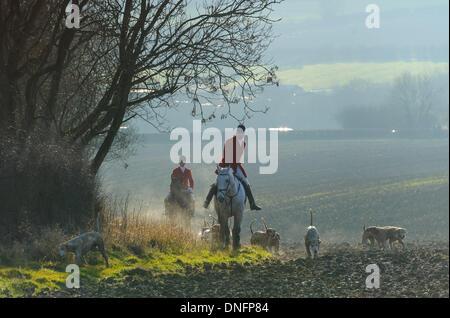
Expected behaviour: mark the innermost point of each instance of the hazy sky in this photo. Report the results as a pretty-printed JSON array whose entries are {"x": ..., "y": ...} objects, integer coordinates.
[
  {"x": 323, "y": 44},
  {"x": 328, "y": 31}
]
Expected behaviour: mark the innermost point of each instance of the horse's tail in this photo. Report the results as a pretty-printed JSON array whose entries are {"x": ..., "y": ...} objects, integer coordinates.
[
  {"x": 251, "y": 223},
  {"x": 310, "y": 212}
]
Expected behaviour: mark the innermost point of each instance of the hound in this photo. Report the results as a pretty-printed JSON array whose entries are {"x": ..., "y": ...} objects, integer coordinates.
[
  {"x": 269, "y": 239},
  {"x": 210, "y": 232},
  {"x": 312, "y": 239},
  {"x": 369, "y": 234},
  {"x": 82, "y": 244},
  {"x": 382, "y": 234}
]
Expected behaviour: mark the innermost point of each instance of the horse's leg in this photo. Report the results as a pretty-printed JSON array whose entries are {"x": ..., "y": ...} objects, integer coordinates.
[
  {"x": 226, "y": 227},
  {"x": 187, "y": 221},
  {"x": 166, "y": 206},
  {"x": 224, "y": 230},
  {"x": 227, "y": 233},
  {"x": 237, "y": 230}
]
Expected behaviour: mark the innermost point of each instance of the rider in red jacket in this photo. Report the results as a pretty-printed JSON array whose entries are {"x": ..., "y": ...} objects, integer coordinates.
[
  {"x": 183, "y": 175},
  {"x": 232, "y": 154}
]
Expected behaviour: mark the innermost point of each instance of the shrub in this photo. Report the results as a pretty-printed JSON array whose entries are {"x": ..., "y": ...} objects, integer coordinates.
[{"x": 43, "y": 183}]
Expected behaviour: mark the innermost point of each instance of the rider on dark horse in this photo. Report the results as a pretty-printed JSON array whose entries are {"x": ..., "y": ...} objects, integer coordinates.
[
  {"x": 186, "y": 183},
  {"x": 232, "y": 154}
]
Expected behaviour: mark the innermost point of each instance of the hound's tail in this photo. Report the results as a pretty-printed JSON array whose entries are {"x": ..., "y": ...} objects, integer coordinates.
[
  {"x": 251, "y": 223},
  {"x": 97, "y": 210},
  {"x": 265, "y": 225},
  {"x": 310, "y": 212}
]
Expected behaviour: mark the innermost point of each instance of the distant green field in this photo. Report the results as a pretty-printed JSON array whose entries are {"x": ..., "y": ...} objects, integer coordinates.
[
  {"x": 322, "y": 76},
  {"x": 347, "y": 183}
]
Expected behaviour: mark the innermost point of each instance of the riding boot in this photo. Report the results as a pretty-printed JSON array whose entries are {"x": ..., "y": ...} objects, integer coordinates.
[
  {"x": 250, "y": 197},
  {"x": 211, "y": 193}
]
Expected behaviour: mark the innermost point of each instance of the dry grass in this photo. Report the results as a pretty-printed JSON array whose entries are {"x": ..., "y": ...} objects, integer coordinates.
[{"x": 131, "y": 228}]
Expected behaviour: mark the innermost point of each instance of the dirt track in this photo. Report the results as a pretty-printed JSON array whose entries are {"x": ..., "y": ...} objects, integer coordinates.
[{"x": 422, "y": 270}]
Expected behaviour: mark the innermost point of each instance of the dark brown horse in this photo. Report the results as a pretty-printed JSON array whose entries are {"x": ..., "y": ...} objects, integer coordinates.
[{"x": 179, "y": 205}]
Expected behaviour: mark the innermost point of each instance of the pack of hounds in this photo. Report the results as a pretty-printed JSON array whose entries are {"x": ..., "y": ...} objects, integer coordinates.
[{"x": 269, "y": 239}]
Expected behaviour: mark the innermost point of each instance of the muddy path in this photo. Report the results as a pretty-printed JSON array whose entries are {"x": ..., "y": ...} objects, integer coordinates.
[{"x": 422, "y": 270}]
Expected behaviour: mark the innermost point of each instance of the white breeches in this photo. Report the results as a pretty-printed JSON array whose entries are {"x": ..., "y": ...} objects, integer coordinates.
[{"x": 241, "y": 175}]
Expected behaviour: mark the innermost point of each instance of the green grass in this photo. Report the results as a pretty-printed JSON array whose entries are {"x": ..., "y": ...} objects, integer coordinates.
[
  {"x": 15, "y": 282},
  {"x": 323, "y": 76},
  {"x": 19, "y": 281}
]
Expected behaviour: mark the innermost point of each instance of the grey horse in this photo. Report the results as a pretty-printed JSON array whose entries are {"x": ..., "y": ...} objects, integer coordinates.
[{"x": 229, "y": 202}]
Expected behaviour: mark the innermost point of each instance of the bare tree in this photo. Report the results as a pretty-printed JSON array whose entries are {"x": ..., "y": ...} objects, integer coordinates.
[
  {"x": 127, "y": 60},
  {"x": 415, "y": 96}
]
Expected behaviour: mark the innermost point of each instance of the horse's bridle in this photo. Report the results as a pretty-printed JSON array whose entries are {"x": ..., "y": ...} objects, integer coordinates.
[{"x": 225, "y": 191}]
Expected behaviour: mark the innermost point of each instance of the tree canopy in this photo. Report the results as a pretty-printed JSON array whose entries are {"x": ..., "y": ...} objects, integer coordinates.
[{"x": 127, "y": 59}]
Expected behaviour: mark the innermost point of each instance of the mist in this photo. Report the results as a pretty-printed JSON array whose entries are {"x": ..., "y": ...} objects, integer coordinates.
[{"x": 329, "y": 60}]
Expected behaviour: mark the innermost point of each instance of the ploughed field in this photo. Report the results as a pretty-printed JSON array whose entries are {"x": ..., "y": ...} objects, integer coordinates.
[
  {"x": 421, "y": 270},
  {"x": 346, "y": 182}
]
